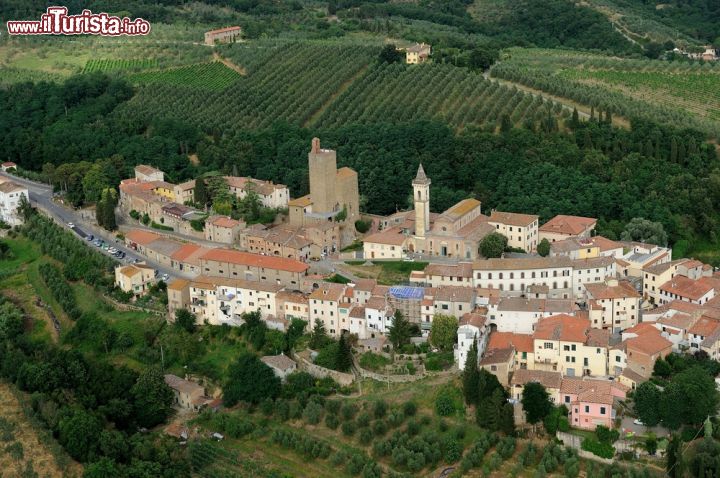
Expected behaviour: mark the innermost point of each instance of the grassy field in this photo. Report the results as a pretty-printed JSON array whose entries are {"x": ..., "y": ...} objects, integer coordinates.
[{"x": 385, "y": 272}]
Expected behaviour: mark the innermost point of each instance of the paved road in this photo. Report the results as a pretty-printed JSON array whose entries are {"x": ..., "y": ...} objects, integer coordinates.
[
  {"x": 627, "y": 425},
  {"x": 41, "y": 195}
]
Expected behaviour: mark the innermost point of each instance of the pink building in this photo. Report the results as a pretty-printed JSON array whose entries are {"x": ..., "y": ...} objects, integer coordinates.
[{"x": 590, "y": 401}]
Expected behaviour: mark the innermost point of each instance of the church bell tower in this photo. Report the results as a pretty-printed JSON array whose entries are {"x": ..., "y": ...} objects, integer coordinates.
[{"x": 421, "y": 197}]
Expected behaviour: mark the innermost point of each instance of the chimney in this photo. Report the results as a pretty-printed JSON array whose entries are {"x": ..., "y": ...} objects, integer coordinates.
[{"x": 315, "y": 145}]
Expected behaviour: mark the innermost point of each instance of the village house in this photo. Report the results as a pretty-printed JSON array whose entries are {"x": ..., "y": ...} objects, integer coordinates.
[
  {"x": 244, "y": 265},
  {"x": 471, "y": 328},
  {"x": 641, "y": 346},
  {"x": 695, "y": 291},
  {"x": 271, "y": 195},
  {"x": 521, "y": 343},
  {"x": 281, "y": 365},
  {"x": 567, "y": 344},
  {"x": 460, "y": 274},
  {"x": 613, "y": 305},
  {"x": 7, "y": 166},
  {"x": 656, "y": 275},
  {"x": 521, "y": 230},
  {"x": 236, "y": 297},
  {"x": 513, "y": 276},
  {"x": 185, "y": 192},
  {"x": 637, "y": 256},
  {"x": 145, "y": 173},
  {"x": 449, "y": 300},
  {"x": 519, "y": 315},
  {"x": 187, "y": 394},
  {"x": 324, "y": 304},
  {"x": 292, "y": 305},
  {"x": 362, "y": 290},
  {"x": 417, "y": 53},
  {"x": 223, "y": 229},
  {"x": 563, "y": 227},
  {"x": 591, "y": 270},
  {"x": 379, "y": 314},
  {"x": 139, "y": 239},
  {"x": 703, "y": 335},
  {"x": 590, "y": 401},
  {"x": 586, "y": 248},
  {"x": 550, "y": 380},
  {"x": 223, "y": 35},
  {"x": 499, "y": 362},
  {"x": 187, "y": 258},
  {"x": 134, "y": 278},
  {"x": 10, "y": 196},
  {"x": 279, "y": 241},
  {"x": 178, "y": 291}
]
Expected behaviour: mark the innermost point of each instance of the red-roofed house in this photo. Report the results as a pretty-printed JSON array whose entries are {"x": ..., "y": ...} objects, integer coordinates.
[
  {"x": 683, "y": 288},
  {"x": 522, "y": 343},
  {"x": 222, "y": 35},
  {"x": 564, "y": 227},
  {"x": 563, "y": 343},
  {"x": 471, "y": 328},
  {"x": 614, "y": 305},
  {"x": 223, "y": 229},
  {"x": 244, "y": 265},
  {"x": 590, "y": 401}
]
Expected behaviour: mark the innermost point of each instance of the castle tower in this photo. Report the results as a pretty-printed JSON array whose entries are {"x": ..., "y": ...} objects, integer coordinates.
[
  {"x": 322, "y": 164},
  {"x": 421, "y": 195}
]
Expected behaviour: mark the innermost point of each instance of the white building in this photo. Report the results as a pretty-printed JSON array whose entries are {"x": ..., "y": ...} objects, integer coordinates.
[
  {"x": 513, "y": 276},
  {"x": 379, "y": 315},
  {"x": 614, "y": 305},
  {"x": 10, "y": 194},
  {"x": 519, "y": 315},
  {"x": 521, "y": 230},
  {"x": 591, "y": 270},
  {"x": 472, "y": 328}
]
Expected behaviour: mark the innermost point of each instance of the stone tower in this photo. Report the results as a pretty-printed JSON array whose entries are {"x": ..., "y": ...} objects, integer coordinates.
[
  {"x": 421, "y": 195},
  {"x": 322, "y": 164}
]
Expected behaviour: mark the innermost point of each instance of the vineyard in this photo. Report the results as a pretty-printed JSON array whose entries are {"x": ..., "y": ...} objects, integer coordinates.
[
  {"x": 330, "y": 85},
  {"x": 118, "y": 64},
  {"x": 206, "y": 76},
  {"x": 669, "y": 92}
]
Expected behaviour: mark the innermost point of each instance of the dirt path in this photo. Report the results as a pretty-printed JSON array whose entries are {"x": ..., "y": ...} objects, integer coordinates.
[
  {"x": 20, "y": 433},
  {"x": 229, "y": 64}
]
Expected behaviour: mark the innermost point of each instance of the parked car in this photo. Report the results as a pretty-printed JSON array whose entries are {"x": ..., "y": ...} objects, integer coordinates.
[
  {"x": 638, "y": 422},
  {"x": 165, "y": 277},
  {"x": 71, "y": 225}
]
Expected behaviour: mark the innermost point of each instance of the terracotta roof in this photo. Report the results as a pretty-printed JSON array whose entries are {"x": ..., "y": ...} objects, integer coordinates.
[
  {"x": 473, "y": 318},
  {"x": 536, "y": 305},
  {"x": 376, "y": 303},
  {"x": 568, "y": 225},
  {"x": 328, "y": 291},
  {"x": 562, "y": 327},
  {"x": 178, "y": 284},
  {"x": 685, "y": 287},
  {"x": 182, "y": 385},
  {"x": 605, "y": 244},
  {"x": 588, "y": 390},
  {"x": 223, "y": 30},
  {"x": 521, "y": 342},
  {"x": 139, "y": 236},
  {"x": 224, "y": 221},
  {"x": 345, "y": 172},
  {"x": 633, "y": 375},
  {"x": 418, "y": 48},
  {"x": 133, "y": 269},
  {"x": 462, "y": 269},
  {"x": 187, "y": 185},
  {"x": 512, "y": 219},
  {"x": 292, "y": 297},
  {"x": 165, "y": 247},
  {"x": 602, "y": 290},
  {"x": 598, "y": 338},
  {"x": 546, "y": 379},
  {"x": 462, "y": 208},
  {"x": 11, "y": 187},
  {"x": 679, "y": 320},
  {"x": 258, "y": 286},
  {"x": 593, "y": 262},
  {"x": 184, "y": 252},
  {"x": 649, "y": 344},
  {"x": 642, "y": 328},
  {"x": 301, "y": 201},
  {"x": 520, "y": 264},
  {"x": 498, "y": 356},
  {"x": 8, "y": 164},
  {"x": 365, "y": 285},
  {"x": 146, "y": 170},
  {"x": 254, "y": 260},
  {"x": 393, "y": 236},
  {"x": 704, "y": 327},
  {"x": 452, "y": 293},
  {"x": 660, "y": 268},
  {"x": 280, "y": 362}
]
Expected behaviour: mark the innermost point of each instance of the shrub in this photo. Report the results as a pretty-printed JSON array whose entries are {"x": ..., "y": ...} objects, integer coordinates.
[
  {"x": 332, "y": 421},
  {"x": 603, "y": 450},
  {"x": 413, "y": 427},
  {"x": 379, "y": 427},
  {"x": 366, "y": 436},
  {"x": 333, "y": 406},
  {"x": 362, "y": 226},
  {"x": 395, "y": 418},
  {"x": 363, "y": 420},
  {"x": 379, "y": 409},
  {"x": 348, "y": 411},
  {"x": 312, "y": 413},
  {"x": 348, "y": 428},
  {"x": 438, "y": 361},
  {"x": 446, "y": 401},
  {"x": 409, "y": 409},
  {"x": 452, "y": 450},
  {"x": 134, "y": 214}
]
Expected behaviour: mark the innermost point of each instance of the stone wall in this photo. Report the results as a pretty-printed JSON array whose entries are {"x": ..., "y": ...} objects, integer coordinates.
[{"x": 322, "y": 372}]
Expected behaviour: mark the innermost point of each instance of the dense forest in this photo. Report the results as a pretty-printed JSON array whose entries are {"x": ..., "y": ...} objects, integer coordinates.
[{"x": 585, "y": 168}]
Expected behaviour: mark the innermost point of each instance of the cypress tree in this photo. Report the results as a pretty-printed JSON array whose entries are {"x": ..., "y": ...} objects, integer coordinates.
[
  {"x": 471, "y": 376},
  {"x": 201, "y": 192},
  {"x": 343, "y": 360},
  {"x": 608, "y": 117},
  {"x": 592, "y": 113},
  {"x": 100, "y": 213},
  {"x": 673, "y": 150},
  {"x": 575, "y": 118}
]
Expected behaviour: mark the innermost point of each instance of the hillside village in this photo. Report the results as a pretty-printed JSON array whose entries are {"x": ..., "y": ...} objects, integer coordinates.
[{"x": 588, "y": 310}]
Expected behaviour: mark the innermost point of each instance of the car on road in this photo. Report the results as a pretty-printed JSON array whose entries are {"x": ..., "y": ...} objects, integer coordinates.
[
  {"x": 89, "y": 237},
  {"x": 638, "y": 422},
  {"x": 71, "y": 225},
  {"x": 165, "y": 277}
]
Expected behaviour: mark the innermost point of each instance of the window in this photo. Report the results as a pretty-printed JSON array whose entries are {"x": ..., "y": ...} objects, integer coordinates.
[
  {"x": 566, "y": 348},
  {"x": 548, "y": 345},
  {"x": 524, "y": 355},
  {"x": 567, "y": 399},
  {"x": 587, "y": 409},
  {"x": 602, "y": 410},
  {"x": 617, "y": 358},
  {"x": 573, "y": 347},
  {"x": 493, "y": 368},
  {"x": 585, "y": 362}
]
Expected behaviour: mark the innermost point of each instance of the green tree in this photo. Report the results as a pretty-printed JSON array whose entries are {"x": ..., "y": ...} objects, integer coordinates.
[
  {"x": 482, "y": 58},
  {"x": 78, "y": 434},
  {"x": 651, "y": 444},
  {"x": 662, "y": 368},
  {"x": 690, "y": 397},
  {"x": 296, "y": 329},
  {"x": 543, "y": 247},
  {"x": 673, "y": 463},
  {"x": 103, "y": 468},
  {"x": 493, "y": 245},
  {"x": 344, "y": 359},
  {"x": 390, "y": 54},
  {"x": 94, "y": 183},
  {"x": 646, "y": 400},
  {"x": 400, "y": 331},
  {"x": 319, "y": 337},
  {"x": 250, "y": 380},
  {"x": 200, "y": 193},
  {"x": 644, "y": 230},
  {"x": 152, "y": 398},
  {"x": 186, "y": 320},
  {"x": 535, "y": 402},
  {"x": 443, "y": 332},
  {"x": 471, "y": 375}
]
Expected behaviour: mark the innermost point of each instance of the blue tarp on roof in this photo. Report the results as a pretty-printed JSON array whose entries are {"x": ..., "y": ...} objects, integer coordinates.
[{"x": 406, "y": 292}]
